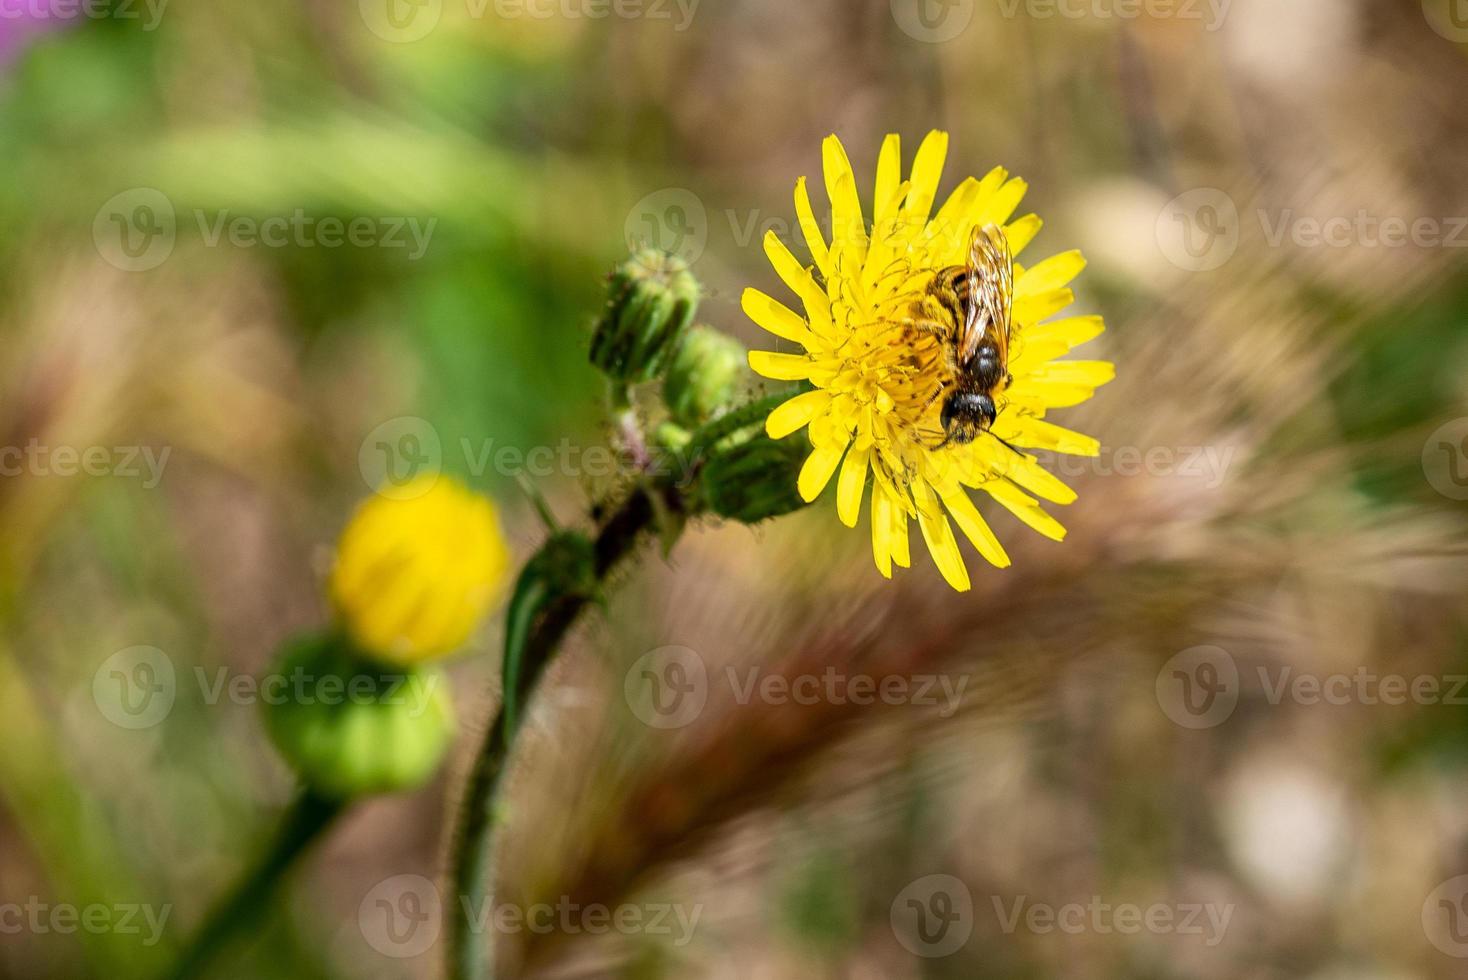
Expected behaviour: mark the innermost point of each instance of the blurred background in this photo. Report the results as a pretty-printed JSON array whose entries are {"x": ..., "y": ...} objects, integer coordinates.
[{"x": 1220, "y": 732}]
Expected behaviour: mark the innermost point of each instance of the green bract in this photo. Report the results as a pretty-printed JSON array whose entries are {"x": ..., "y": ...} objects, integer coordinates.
[
  {"x": 705, "y": 376},
  {"x": 652, "y": 300},
  {"x": 351, "y": 727},
  {"x": 754, "y": 480}
]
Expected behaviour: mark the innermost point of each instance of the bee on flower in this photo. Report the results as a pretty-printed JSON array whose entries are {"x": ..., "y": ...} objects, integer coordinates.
[{"x": 932, "y": 353}]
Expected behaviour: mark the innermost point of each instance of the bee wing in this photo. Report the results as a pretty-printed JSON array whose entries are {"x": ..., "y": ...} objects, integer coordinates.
[{"x": 990, "y": 291}]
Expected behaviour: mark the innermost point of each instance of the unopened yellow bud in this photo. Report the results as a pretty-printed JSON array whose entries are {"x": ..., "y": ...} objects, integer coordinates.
[{"x": 415, "y": 573}]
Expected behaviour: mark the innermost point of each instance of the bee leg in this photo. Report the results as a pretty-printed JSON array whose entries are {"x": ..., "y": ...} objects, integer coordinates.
[
  {"x": 932, "y": 327},
  {"x": 942, "y": 387},
  {"x": 1005, "y": 443}
]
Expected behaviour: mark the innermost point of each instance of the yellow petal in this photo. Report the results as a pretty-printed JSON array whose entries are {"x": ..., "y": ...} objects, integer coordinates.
[
  {"x": 999, "y": 208},
  {"x": 817, "y": 471},
  {"x": 1022, "y": 231},
  {"x": 848, "y": 227},
  {"x": 900, "y": 553},
  {"x": 927, "y": 171},
  {"x": 781, "y": 367},
  {"x": 776, "y": 317},
  {"x": 850, "y": 486},
  {"x": 1071, "y": 331},
  {"x": 950, "y": 230},
  {"x": 1034, "y": 307},
  {"x": 968, "y": 213},
  {"x": 974, "y": 527},
  {"x": 1053, "y": 273},
  {"x": 889, "y": 178},
  {"x": 882, "y": 531},
  {"x": 1026, "y": 508},
  {"x": 1030, "y": 351},
  {"x": 1035, "y": 433},
  {"x": 1047, "y": 394},
  {"x": 795, "y": 413},
  {"x": 938, "y": 534},
  {"x": 798, "y": 278},
  {"x": 1092, "y": 374},
  {"x": 811, "y": 229}
]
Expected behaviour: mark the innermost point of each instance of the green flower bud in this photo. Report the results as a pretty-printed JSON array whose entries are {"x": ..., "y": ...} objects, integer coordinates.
[
  {"x": 352, "y": 727},
  {"x": 652, "y": 300},
  {"x": 705, "y": 376},
  {"x": 753, "y": 480}
]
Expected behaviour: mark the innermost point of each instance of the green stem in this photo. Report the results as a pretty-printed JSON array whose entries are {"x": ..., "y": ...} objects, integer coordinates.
[
  {"x": 537, "y": 623},
  {"x": 308, "y": 817}
]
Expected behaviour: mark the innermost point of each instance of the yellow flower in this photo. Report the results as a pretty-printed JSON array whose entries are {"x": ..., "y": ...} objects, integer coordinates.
[
  {"x": 874, "y": 410},
  {"x": 414, "y": 574}
]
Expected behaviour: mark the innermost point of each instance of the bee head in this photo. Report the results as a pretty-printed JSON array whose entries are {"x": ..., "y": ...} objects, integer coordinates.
[{"x": 966, "y": 414}]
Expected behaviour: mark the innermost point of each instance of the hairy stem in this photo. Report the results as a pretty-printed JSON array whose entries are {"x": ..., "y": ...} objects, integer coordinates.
[
  {"x": 538, "y": 622},
  {"x": 531, "y": 643}
]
